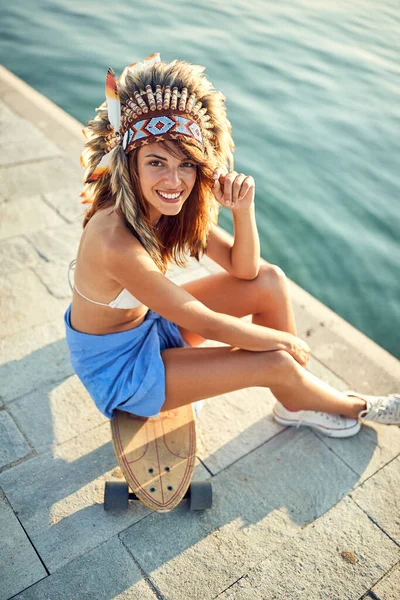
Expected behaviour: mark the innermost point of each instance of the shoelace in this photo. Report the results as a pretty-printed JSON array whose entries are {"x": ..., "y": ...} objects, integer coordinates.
[{"x": 385, "y": 407}]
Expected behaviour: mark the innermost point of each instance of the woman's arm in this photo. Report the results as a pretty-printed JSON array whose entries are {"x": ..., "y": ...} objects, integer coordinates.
[
  {"x": 133, "y": 268},
  {"x": 245, "y": 253},
  {"x": 236, "y": 192}
]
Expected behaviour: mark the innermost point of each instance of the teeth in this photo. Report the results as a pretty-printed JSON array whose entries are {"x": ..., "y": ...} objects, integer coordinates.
[{"x": 169, "y": 196}]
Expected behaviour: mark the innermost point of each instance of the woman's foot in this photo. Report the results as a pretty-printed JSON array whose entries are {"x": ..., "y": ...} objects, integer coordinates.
[
  {"x": 381, "y": 409},
  {"x": 332, "y": 425}
]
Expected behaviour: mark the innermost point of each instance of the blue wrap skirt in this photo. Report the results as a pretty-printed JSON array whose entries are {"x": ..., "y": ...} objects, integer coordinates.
[{"x": 124, "y": 370}]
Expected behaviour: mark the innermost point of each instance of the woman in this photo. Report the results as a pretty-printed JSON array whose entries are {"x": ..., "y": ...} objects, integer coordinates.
[{"x": 158, "y": 168}]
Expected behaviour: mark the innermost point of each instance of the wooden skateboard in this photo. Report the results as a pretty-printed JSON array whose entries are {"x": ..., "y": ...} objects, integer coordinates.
[{"x": 157, "y": 458}]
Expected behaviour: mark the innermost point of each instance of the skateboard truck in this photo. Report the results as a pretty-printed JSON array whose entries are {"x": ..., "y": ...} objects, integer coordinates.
[{"x": 117, "y": 495}]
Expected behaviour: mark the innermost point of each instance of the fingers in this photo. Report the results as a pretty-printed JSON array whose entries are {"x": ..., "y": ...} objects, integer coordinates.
[
  {"x": 301, "y": 352},
  {"x": 216, "y": 188},
  {"x": 231, "y": 187}
]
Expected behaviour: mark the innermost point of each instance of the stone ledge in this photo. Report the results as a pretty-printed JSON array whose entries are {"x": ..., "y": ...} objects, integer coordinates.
[{"x": 30, "y": 104}]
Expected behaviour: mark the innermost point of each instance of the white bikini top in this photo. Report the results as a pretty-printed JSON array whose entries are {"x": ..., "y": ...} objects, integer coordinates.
[{"x": 123, "y": 300}]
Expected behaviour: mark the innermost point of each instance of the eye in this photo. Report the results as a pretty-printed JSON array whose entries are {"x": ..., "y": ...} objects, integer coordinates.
[
  {"x": 155, "y": 163},
  {"x": 190, "y": 164}
]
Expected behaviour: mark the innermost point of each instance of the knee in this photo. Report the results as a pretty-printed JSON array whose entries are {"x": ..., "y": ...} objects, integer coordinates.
[
  {"x": 271, "y": 277},
  {"x": 286, "y": 370}
]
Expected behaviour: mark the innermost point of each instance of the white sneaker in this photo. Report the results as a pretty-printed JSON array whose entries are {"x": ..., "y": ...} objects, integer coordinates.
[
  {"x": 332, "y": 425},
  {"x": 381, "y": 409}
]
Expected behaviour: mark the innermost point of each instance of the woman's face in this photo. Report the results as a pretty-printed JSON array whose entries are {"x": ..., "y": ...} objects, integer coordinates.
[{"x": 166, "y": 180}]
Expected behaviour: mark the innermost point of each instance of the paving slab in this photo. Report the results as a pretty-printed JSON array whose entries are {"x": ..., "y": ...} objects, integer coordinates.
[
  {"x": 38, "y": 177},
  {"x": 229, "y": 429},
  {"x": 60, "y": 127},
  {"x": 259, "y": 502},
  {"x": 363, "y": 373},
  {"x": 16, "y": 254},
  {"x": 22, "y": 141},
  {"x": 370, "y": 450},
  {"x": 13, "y": 444},
  {"x": 348, "y": 352},
  {"x": 379, "y": 497},
  {"x": 20, "y": 566},
  {"x": 4, "y": 85},
  {"x": 34, "y": 358},
  {"x": 24, "y": 214},
  {"x": 56, "y": 414},
  {"x": 25, "y": 302},
  {"x": 67, "y": 202},
  {"x": 339, "y": 556},
  {"x": 51, "y": 122},
  {"x": 57, "y": 244},
  {"x": 59, "y": 497},
  {"x": 106, "y": 572},
  {"x": 320, "y": 370},
  {"x": 54, "y": 275},
  {"x": 388, "y": 588}
]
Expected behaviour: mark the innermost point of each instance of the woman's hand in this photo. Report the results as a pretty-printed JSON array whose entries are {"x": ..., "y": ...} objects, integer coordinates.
[
  {"x": 233, "y": 190},
  {"x": 300, "y": 350}
]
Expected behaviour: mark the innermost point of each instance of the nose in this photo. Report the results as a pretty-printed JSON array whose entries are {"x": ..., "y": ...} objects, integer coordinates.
[{"x": 172, "y": 178}]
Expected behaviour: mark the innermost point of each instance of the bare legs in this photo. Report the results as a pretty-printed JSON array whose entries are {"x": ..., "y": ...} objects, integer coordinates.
[{"x": 196, "y": 373}]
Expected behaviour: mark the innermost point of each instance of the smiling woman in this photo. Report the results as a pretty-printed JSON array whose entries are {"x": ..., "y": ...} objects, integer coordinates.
[{"x": 157, "y": 162}]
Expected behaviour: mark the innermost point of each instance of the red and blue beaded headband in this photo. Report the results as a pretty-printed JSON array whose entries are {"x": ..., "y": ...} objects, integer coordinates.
[{"x": 159, "y": 128}]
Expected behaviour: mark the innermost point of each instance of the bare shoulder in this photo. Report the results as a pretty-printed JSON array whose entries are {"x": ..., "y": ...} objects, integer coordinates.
[
  {"x": 106, "y": 232},
  {"x": 121, "y": 247}
]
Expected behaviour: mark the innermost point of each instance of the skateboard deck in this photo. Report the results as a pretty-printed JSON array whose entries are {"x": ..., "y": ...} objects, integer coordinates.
[{"x": 156, "y": 455}]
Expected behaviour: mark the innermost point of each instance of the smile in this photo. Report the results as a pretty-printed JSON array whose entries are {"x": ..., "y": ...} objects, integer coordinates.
[{"x": 170, "y": 197}]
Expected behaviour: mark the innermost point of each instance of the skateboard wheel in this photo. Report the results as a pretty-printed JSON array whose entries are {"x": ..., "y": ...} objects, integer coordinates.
[
  {"x": 116, "y": 495},
  {"x": 200, "y": 495}
]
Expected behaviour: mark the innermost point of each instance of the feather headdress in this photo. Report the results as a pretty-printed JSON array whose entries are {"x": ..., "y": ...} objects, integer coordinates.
[
  {"x": 151, "y": 112},
  {"x": 151, "y": 101}
]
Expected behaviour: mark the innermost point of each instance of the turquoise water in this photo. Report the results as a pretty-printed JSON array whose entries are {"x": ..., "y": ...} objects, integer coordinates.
[{"x": 313, "y": 96}]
